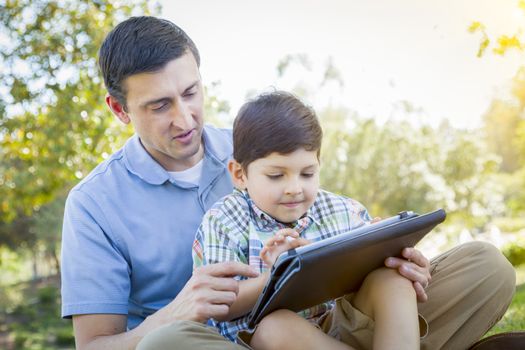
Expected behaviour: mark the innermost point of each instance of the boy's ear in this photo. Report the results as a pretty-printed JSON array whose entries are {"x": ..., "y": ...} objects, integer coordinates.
[
  {"x": 117, "y": 109},
  {"x": 237, "y": 174}
]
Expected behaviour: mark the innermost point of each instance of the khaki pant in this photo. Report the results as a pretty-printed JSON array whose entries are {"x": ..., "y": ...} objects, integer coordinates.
[{"x": 472, "y": 286}]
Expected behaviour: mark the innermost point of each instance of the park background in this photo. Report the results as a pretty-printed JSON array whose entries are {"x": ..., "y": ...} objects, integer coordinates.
[{"x": 422, "y": 105}]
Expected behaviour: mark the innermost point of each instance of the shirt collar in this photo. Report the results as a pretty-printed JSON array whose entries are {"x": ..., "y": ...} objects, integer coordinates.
[
  {"x": 266, "y": 222},
  {"x": 140, "y": 163}
]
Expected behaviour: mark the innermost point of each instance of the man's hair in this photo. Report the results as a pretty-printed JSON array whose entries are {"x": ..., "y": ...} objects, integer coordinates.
[
  {"x": 274, "y": 122},
  {"x": 138, "y": 45}
]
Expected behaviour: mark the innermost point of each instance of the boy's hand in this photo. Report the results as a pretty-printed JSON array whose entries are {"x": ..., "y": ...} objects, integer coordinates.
[
  {"x": 284, "y": 239},
  {"x": 415, "y": 267},
  {"x": 376, "y": 219}
]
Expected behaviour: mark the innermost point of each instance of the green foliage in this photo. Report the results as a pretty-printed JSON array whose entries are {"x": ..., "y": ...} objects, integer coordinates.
[
  {"x": 504, "y": 126},
  {"x": 515, "y": 252},
  {"x": 504, "y": 131},
  {"x": 504, "y": 42},
  {"x": 34, "y": 320},
  {"x": 216, "y": 109},
  {"x": 476, "y": 27},
  {"x": 47, "y": 295},
  {"x": 514, "y": 318},
  {"x": 54, "y": 125},
  {"x": 398, "y": 166}
]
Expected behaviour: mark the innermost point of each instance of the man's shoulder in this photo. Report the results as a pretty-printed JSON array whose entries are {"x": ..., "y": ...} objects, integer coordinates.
[
  {"x": 105, "y": 176},
  {"x": 218, "y": 141},
  {"x": 225, "y": 133}
]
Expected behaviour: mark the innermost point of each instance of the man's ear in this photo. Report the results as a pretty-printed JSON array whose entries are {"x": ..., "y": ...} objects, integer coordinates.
[
  {"x": 118, "y": 109},
  {"x": 237, "y": 174}
]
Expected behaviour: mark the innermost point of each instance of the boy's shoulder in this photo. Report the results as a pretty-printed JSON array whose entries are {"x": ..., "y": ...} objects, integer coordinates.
[
  {"x": 327, "y": 201},
  {"x": 232, "y": 205}
]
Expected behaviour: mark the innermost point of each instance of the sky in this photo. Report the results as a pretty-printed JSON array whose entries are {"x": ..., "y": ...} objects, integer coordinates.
[{"x": 387, "y": 52}]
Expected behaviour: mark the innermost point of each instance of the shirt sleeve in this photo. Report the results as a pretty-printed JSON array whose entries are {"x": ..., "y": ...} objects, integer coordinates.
[
  {"x": 358, "y": 214},
  {"x": 215, "y": 242},
  {"x": 95, "y": 274}
]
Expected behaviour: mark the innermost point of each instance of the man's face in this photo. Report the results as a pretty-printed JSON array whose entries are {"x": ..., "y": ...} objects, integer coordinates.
[
  {"x": 284, "y": 185},
  {"x": 166, "y": 110}
]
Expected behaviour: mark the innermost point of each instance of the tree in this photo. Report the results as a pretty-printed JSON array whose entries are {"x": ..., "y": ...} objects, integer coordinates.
[
  {"x": 398, "y": 166},
  {"x": 504, "y": 42},
  {"x": 54, "y": 126},
  {"x": 505, "y": 120}
]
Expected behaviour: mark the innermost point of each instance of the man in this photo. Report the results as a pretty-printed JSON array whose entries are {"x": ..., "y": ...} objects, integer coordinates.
[{"x": 129, "y": 225}]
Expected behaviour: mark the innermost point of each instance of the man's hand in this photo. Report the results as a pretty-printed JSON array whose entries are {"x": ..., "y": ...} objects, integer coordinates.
[
  {"x": 208, "y": 294},
  {"x": 414, "y": 267},
  {"x": 283, "y": 240}
]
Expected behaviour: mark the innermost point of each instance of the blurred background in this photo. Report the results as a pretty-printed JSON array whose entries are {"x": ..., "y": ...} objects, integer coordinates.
[{"x": 422, "y": 106}]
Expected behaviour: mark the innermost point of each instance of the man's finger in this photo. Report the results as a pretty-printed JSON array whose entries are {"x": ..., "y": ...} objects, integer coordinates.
[
  {"x": 222, "y": 297},
  {"x": 228, "y": 269}
]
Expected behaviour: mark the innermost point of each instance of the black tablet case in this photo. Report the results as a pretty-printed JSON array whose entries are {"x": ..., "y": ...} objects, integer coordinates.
[{"x": 331, "y": 268}]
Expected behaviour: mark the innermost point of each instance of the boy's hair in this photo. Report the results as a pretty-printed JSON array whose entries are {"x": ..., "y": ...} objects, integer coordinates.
[
  {"x": 274, "y": 122},
  {"x": 138, "y": 45}
]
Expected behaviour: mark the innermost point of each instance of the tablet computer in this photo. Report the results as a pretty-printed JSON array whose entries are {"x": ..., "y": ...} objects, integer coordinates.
[{"x": 330, "y": 268}]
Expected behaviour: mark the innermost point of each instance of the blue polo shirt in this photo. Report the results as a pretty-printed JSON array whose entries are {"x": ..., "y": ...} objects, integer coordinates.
[{"x": 128, "y": 230}]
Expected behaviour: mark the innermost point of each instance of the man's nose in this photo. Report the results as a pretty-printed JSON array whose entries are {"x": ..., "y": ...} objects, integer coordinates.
[{"x": 181, "y": 117}]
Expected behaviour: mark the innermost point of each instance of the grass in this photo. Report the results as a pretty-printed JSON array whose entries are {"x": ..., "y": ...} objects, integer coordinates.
[
  {"x": 514, "y": 318},
  {"x": 31, "y": 319},
  {"x": 33, "y": 322}
]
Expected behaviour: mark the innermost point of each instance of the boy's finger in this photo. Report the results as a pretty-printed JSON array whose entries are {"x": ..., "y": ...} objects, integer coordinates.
[
  {"x": 376, "y": 219},
  {"x": 287, "y": 232},
  {"x": 420, "y": 292},
  {"x": 416, "y": 257}
]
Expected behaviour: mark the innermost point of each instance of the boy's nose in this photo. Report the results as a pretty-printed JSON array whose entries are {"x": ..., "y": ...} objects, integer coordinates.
[{"x": 293, "y": 188}]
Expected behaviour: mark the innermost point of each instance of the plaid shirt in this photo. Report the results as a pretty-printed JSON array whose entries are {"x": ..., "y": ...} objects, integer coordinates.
[{"x": 234, "y": 229}]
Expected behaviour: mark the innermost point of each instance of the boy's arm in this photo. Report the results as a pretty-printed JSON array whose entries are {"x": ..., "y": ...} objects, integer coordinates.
[{"x": 249, "y": 291}]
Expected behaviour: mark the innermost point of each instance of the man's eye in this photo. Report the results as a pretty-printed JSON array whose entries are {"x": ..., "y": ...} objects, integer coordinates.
[
  {"x": 274, "y": 176},
  {"x": 160, "y": 107},
  {"x": 190, "y": 93}
]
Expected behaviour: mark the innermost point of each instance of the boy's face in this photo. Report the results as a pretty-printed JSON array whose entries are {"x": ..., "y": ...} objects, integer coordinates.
[
  {"x": 166, "y": 110},
  {"x": 283, "y": 185}
]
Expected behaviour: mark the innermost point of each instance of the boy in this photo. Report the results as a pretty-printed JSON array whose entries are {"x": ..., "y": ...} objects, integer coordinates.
[{"x": 277, "y": 205}]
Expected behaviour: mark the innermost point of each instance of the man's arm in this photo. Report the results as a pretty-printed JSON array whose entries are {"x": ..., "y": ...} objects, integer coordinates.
[
  {"x": 104, "y": 331},
  {"x": 208, "y": 294}
]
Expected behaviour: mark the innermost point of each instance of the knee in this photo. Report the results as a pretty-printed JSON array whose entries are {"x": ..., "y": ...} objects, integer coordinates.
[
  {"x": 165, "y": 336},
  {"x": 490, "y": 262},
  {"x": 386, "y": 280},
  {"x": 275, "y": 321},
  {"x": 272, "y": 330},
  {"x": 382, "y": 286}
]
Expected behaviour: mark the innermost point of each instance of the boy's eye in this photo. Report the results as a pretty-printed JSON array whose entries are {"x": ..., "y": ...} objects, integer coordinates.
[
  {"x": 307, "y": 174},
  {"x": 274, "y": 176}
]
